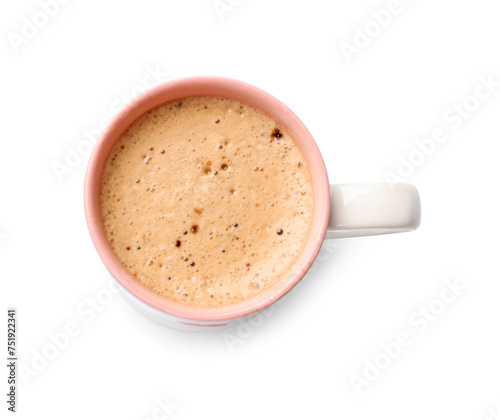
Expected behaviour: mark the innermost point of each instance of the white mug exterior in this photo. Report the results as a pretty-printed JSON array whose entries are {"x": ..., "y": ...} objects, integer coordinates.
[{"x": 175, "y": 322}]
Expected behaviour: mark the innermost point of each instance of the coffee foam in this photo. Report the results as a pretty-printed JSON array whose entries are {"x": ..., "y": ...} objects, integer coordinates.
[{"x": 206, "y": 201}]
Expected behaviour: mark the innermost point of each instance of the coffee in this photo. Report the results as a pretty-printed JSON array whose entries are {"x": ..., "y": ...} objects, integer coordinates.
[{"x": 206, "y": 201}]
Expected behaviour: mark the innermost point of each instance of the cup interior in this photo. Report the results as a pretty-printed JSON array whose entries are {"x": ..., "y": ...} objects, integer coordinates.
[{"x": 232, "y": 89}]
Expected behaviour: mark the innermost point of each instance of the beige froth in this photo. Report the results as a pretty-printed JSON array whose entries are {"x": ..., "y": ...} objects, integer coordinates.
[{"x": 206, "y": 201}]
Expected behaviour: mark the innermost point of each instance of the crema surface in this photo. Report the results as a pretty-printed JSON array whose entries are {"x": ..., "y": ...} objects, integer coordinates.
[{"x": 206, "y": 201}]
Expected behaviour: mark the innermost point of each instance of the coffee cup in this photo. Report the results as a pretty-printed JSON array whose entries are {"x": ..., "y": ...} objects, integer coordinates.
[{"x": 340, "y": 210}]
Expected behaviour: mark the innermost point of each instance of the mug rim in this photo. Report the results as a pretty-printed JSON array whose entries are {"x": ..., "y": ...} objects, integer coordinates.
[{"x": 245, "y": 93}]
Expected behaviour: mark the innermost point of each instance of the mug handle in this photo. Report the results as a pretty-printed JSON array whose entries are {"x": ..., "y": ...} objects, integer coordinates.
[{"x": 372, "y": 209}]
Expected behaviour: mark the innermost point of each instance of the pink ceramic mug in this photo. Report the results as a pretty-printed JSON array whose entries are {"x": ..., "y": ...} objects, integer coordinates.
[{"x": 339, "y": 210}]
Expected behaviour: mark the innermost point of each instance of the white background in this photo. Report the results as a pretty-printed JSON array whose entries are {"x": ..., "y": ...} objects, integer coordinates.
[{"x": 364, "y": 114}]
